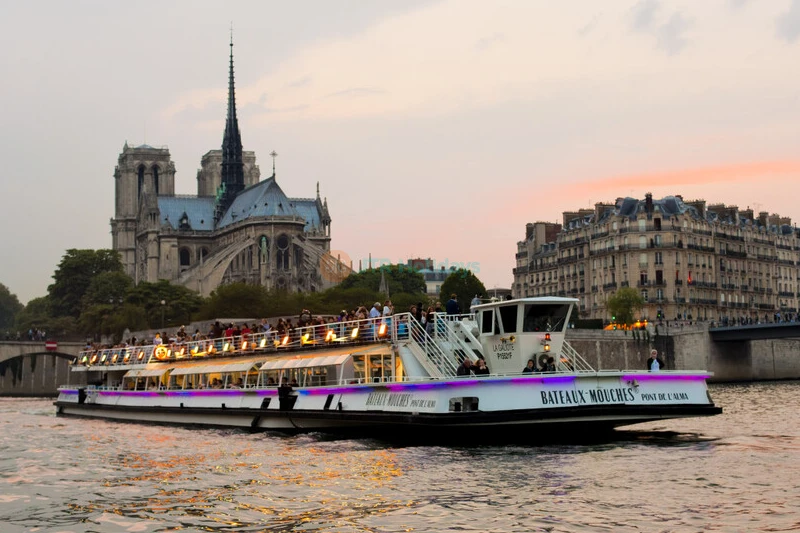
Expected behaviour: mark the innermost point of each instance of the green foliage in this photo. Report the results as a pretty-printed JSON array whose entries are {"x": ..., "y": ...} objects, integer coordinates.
[
  {"x": 400, "y": 278},
  {"x": 625, "y": 305},
  {"x": 10, "y": 307},
  {"x": 236, "y": 300},
  {"x": 37, "y": 315},
  {"x": 107, "y": 288},
  {"x": 336, "y": 299},
  {"x": 74, "y": 275},
  {"x": 465, "y": 285},
  {"x": 180, "y": 303}
]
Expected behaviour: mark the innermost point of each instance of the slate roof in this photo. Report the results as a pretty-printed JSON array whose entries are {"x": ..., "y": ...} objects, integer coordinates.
[
  {"x": 199, "y": 210},
  {"x": 308, "y": 210},
  {"x": 267, "y": 199}
]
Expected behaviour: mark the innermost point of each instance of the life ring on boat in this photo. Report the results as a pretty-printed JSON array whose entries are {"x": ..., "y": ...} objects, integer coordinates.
[{"x": 161, "y": 352}]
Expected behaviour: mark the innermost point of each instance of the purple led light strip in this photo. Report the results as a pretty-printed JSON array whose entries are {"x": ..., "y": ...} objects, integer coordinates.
[{"x": 657, "y": 376}]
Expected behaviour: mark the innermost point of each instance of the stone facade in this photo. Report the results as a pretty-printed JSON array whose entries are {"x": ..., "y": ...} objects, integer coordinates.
[
  {"x": 689, "y": 260},
  {"x": 237, "y": 227}
]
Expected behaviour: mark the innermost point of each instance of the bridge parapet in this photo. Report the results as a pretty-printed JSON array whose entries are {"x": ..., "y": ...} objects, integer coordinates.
[{"x": 12, "y": 349}]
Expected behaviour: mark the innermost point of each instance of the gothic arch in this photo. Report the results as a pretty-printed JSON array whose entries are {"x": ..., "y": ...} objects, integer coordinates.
[
  {"x": 140, "y": 178},
  {"x": 185, "y": 258},
  {"x": 156, "y": 170}
]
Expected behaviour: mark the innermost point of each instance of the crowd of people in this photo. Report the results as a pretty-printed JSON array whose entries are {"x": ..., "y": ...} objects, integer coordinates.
[
  {"x": 33, "y": 334},
  {"x": 305, "y": 322}
]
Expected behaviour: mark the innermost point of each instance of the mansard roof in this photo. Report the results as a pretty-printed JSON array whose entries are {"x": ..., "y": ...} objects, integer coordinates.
[
  {"x": 631, "y": 207},
  {"x": 199, "y": 210}
]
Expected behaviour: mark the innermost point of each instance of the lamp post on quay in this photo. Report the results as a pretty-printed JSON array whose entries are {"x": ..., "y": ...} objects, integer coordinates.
[{"x": 163, "y": 307}]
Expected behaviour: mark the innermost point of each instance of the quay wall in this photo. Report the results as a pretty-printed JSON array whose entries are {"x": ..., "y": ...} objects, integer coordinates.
[{"x": 691, "y": 349}]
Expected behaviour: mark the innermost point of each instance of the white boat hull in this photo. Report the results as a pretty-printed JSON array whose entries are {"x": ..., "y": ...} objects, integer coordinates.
[{"x": 600, "y": 400}]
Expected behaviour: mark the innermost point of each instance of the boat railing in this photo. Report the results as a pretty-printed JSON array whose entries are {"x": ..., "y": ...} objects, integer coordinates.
[
  {"x": 456, "y": 331},
  {"x": 571, "y": 360},
  {"x": 331, "y": 334},
  {"x": 417, "y": 334}
]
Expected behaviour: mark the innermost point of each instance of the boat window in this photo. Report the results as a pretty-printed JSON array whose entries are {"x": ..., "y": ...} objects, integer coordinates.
[
  {"x": 487, "y": 319},
  {"x": 548, "y": 317},
  {"x": 508, "y": 315}
]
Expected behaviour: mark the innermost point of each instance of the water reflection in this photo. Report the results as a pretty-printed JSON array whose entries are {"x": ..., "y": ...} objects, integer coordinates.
[{"x": 733, "y": 472}]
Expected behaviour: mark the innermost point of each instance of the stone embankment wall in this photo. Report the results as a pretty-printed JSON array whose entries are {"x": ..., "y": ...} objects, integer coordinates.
[{"x": 691, "y": 348}]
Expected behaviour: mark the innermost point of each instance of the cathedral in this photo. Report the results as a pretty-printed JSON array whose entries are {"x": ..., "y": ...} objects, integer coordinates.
[{"x": 238, "y": 228}]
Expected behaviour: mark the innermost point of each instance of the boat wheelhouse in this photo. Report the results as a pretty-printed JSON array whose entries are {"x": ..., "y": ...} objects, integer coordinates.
[{"x": 390, "y": 374}]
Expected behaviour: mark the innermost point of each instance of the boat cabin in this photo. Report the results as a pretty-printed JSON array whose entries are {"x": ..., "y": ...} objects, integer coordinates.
[{"x": 512, "y": 332}]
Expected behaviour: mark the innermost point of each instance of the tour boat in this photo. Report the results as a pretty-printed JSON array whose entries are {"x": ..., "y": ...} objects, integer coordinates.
[{"x": 388, "y": 375}]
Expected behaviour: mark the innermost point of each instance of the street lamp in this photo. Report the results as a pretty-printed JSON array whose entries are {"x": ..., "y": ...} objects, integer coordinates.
[{"x": 163, "y": 307}]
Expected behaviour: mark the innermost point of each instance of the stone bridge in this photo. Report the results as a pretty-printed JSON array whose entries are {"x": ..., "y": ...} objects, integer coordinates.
[{"x": 29, "y": 369}]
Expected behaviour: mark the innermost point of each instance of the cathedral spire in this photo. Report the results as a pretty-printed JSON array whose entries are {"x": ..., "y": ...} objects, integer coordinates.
[{"x": 232, "y": 164}]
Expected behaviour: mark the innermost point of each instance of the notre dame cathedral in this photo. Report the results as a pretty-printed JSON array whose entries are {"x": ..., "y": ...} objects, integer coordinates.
[{"x": 237, "y": 228}]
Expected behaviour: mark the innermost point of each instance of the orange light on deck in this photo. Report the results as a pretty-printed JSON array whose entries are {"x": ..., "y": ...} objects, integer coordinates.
[
  {"x": 547, "y": 337},
  {"x": 263, "y": 343},
  {"x": 126, "y": 357},
  {"x": 140, "y": 356},
  {"x": 244, "y": 345},
  {"x": 546, "y": 347},
  {"x": 114, "y": 358},
  {"x": 194, "y": 350},
  {"x": 285, "y": 340},
  {"x": 103, "y": 358},
  {"x": 330, "y": 336},
  {"x": 93, "y": 360},
  {"x": 382, "y": 330},
  {"x": 226, "y": 346},
  {"x": 84, "y": 359},
  {"x": 354, "y": 333}
]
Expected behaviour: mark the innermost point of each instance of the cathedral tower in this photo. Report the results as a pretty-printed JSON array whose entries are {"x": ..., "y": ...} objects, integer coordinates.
[{"x": 140, "y": 169}]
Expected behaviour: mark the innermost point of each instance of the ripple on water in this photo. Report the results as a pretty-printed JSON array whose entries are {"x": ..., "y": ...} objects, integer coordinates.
[{"x": 734, "y": 472}]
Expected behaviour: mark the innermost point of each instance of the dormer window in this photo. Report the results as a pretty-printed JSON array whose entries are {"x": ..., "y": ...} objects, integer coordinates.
[{"x": 183, "y": 222}]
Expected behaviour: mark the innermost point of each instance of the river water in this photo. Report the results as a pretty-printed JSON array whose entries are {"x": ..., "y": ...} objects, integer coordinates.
[{"x": 739, "y": 471}]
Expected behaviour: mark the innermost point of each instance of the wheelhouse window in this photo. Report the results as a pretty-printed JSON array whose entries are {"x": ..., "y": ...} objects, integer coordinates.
[
  {"x": 508, "y": 316},
  {"x": 549, "y": 317},
  {"x": 487, "y": 321}
]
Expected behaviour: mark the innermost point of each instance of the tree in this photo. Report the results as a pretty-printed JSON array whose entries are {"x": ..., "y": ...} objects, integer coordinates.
[
  {"x": 399, "y": 278},
  {"x": 180, "y": 303},
  {"x": 236, "y": 300},
  {"x": 10, "y": 307},
  {"x": 625, "y": 305},
  {"x": 465, "y": 285},
  {"x": 107, "y": 288},
  {"x": 38, "y": 315},
  {"x": 74, "y": 275}
]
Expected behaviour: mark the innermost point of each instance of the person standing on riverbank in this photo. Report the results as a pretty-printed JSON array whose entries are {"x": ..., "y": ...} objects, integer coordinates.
[{"x": 655, "y": 363}]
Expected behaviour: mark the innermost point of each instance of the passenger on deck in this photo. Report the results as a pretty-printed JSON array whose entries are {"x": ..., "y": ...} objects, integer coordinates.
[
  {"x": 465, "y": 369},
  {"x": 550, "y": 366},
  {"x": 430, "y": 319},
  {"x": 452, "y": 305},
  {"x": 530, "y": 367},
  {"x": 481, "y": 369},
  {"x": 293, "y": 383}
]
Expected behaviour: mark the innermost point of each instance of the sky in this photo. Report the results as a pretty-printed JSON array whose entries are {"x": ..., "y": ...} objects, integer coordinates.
[{"x": 434, "y": 128}]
